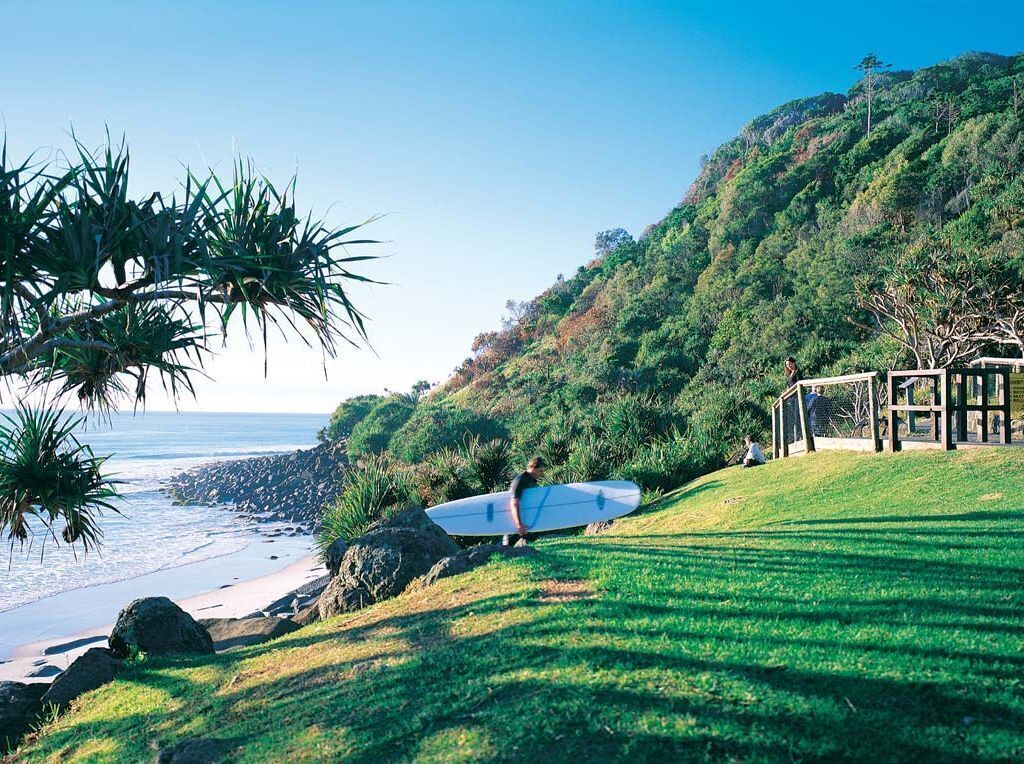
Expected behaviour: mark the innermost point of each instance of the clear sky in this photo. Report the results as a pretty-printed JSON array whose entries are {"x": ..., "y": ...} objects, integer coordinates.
[{"x": 497, "y": 138}]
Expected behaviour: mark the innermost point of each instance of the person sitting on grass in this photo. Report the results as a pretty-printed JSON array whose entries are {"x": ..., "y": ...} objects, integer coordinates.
[
  {"x": 754, "y": 456},
  {"x": 528, "y": 479}
]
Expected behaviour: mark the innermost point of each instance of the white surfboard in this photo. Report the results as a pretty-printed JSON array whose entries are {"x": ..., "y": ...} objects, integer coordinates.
[{"x": 544, "y": 508}]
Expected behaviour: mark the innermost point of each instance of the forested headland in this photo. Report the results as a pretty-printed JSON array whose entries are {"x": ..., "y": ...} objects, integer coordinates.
[{"x": 851, "y": 245}]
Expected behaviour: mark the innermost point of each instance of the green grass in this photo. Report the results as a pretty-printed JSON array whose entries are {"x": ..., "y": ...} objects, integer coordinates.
[{"x": 832, "y": 607}]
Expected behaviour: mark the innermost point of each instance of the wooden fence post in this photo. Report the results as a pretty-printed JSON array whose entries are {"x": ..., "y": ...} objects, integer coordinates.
[
  {"x": 1006, "y": 432},
  {"x": 983, "y": 419},
  {"x": 805, "y": 423},
  {"x": 783, "y": 428},
  {"x": 775, "y": 431},
  {"x": 961, "y": 407},
  {"x": 947, "y": 411},
  {"x": 894, "y": 419},
  {"x": 876, "y": 438}
]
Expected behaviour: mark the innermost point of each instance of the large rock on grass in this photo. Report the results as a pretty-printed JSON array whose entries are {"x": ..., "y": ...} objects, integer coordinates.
[
  {"x": 156, "y": 626},
  {"x": 242, "y": 632},
  {"x": 382, "y": 562},
  {"x": 334, "y": 555},
  {"x": 92, "y": 669},
  {"x": 20, "y": 705},
  {"x": 467, "y": 559}
]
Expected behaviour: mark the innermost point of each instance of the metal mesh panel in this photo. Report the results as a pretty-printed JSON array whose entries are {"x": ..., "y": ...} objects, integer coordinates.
[{"x": 840, "y": 409}]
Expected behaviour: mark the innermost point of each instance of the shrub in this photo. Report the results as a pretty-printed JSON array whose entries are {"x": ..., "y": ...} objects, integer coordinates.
[
  {"x": 489, "y": 463},
  {"x": 591, "y": 458},
  {"x": 375, "y": 488},
  {"x": 347, "y": 415},
  {"x": 664, "y": 465},
  {"x": 374, "y": 431},
  {"x": 442, "y": 477},
  {"x": 441, "y": 424},
  {"x": 633, "y": 420}
]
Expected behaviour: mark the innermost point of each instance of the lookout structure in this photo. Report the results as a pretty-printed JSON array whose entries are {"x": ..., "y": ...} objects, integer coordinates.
[{"x": 977, "y": 405}]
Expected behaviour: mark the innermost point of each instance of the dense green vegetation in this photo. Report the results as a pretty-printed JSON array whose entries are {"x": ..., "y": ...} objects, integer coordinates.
[
  {"x": 834, "y": 607},
  {"x": 805, "y": 235}
]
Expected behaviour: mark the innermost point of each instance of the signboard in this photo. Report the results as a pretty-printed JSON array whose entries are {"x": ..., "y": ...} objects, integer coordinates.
[{"x": 1017, "y": 396}]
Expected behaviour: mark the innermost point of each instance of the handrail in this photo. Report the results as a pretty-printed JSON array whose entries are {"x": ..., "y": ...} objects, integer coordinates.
[
  {"x": 918, "y": 373},
  {"x": 857, "y": 377},
  {"x": 1005, "y": 361}
]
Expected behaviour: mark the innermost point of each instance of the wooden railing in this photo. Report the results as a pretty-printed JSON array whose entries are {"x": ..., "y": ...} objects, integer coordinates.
[
  {"x": 949, "y": 408},
  {"x": 952, "y": 415},
  {"x": 783, "y": 424}
]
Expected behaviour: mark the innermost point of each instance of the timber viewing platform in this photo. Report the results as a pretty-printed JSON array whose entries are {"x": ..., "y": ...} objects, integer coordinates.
[{"x": 958, "y": 407}]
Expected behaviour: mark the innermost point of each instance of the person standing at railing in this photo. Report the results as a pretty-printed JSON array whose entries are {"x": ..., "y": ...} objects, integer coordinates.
[{"x": 792, "y": 372}]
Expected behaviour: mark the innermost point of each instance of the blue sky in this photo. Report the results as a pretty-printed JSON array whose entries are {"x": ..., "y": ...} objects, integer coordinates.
[{"x": 497, "y": 138}]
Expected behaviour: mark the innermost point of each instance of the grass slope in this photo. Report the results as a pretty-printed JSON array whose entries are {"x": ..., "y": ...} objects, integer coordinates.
[{"x": 838, "y": 606}]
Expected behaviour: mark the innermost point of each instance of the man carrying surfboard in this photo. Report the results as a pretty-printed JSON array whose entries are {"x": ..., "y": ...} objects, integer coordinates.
[{"x": 522, "y": 481}]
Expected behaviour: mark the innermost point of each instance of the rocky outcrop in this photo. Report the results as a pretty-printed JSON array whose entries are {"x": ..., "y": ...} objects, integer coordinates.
[
  {"x": 20, "y": 705},
  {"x": 156, "y": 626},
  {"x": 92, "y": 669},
  {"x": 307, "y": 615},
  {"x": 382, "y": 562},
  {"x": 288, "y": 487},
  {"x": 467, "y": 559},
  {"x": 296, "y": 600},
  {"x": 334, "y": 554},
  {"x": 242, "y": 632}
]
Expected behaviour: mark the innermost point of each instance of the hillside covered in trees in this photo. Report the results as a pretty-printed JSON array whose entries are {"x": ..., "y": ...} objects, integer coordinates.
[{"x": 852, "y": 245}]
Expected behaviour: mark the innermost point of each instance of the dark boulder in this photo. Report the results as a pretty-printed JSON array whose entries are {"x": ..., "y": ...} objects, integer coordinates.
[
  {"x": 382, "y": 562},
  {"x": 308, "y": 615},
  {"x": 44, "y": 671},
  {"x": 467, "y": 559},
  {"x": 157, "y": 626},
  {"x": 335, "y": 553},
  {"x": 93, "y": 668},
  {"x": 195, "y": 751},
  {"x": 241, "y": 632},
  {"x": 20, "y": 705}
]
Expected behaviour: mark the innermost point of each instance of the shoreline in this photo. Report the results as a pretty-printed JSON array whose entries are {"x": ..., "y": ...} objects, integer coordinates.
[{"x": 48, "y": 634}]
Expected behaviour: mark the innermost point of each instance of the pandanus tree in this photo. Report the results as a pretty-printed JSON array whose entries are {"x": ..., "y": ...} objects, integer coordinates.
[{"x": 103, "y": 292}]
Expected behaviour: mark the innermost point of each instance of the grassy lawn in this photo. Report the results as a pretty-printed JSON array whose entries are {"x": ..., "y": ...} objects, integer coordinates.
[{"x": 837, "y": 606}]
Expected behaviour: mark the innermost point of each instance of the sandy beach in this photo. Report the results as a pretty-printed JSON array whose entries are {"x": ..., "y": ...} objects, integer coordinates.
[{"x": 38, "y": 638}]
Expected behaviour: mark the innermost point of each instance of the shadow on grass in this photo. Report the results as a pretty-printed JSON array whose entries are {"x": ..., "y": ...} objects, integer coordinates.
[
  {"x": 687, "y": 651},
  {"x": 889, "y": 519}
]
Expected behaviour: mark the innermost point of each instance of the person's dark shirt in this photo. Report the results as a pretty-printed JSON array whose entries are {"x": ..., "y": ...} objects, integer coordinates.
[
  {"x": 521, "y": 482},
  {"x": 793, "y": 377}
]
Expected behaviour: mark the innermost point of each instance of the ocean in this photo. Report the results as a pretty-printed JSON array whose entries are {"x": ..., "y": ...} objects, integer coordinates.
[{"x": 152, "y": 534}]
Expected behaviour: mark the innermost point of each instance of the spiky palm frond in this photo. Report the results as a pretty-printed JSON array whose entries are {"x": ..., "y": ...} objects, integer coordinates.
[
  {"x": 109, "y": 359},
  {"x": 47, "y": 474},
  {"x": 374, "y": 488},
  {"x": 443, "y": 476},
  {"x": 265, "y": 258},
  {"x": 489, "y": 463}
]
